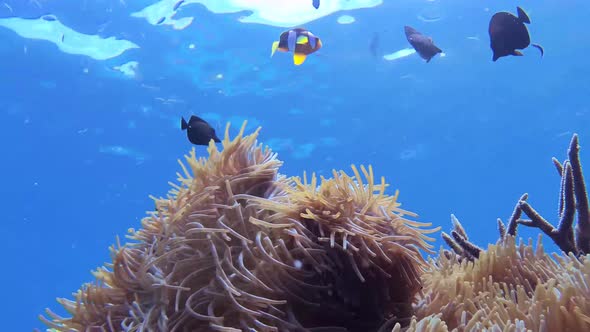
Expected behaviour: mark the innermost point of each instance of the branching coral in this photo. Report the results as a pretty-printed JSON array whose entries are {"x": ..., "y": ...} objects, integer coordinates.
[
  {"x": 515, "y": 288},
  {"x": 573, "y": 198},
  {"x": 235, "y": 246}
]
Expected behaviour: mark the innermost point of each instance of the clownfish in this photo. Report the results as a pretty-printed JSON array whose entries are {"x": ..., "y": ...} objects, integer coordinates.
[{"x": 300, "y": 41}]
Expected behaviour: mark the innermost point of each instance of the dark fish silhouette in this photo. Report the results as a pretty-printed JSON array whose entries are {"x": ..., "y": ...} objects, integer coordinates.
[
  {"x": 300, "y": 41},
  {"x": 198, "y": 131},
  {"x": 508, "y": 34},
  {"x": 177, "y": 5},
  {"x": 374, "y": 44},
  {"x": 423, "y": 45},
  {"x": 316, "y": 4}
]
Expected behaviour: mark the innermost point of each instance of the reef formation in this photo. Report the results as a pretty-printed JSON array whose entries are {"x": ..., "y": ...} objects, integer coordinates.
[{"x": 237, "y": 246}]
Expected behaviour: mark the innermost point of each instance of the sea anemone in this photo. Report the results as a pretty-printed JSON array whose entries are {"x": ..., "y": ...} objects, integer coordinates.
[
  {"x": 509, "y": 287},
  {"x": 236, "y": 246}
]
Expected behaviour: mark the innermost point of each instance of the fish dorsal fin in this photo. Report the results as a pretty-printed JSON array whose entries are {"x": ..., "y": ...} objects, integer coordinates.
[
  {"x": 195, "y": 118},
  {"x": 275, "y": 46},
  {"x": 298, "y": 58},
  {"x": 302, "y": 40},
  {"x": 522, "y": 16}
]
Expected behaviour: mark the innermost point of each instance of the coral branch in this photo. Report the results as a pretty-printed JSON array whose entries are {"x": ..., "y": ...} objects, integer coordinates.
[
  {"x": 583, "y": 226},
  {"x": 573, "y": 198},
  {"x": 459, "y": 241}
]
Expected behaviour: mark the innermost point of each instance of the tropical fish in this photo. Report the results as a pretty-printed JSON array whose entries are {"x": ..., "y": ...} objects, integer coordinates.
[
  {"x": 198, "y": 131},
  {"x": 374, "y": 44},
  {"x": 177, "y": 5},
  {"x": 316, "y": 4},
  {"x": 508, "y": 34},
  {"x": 423, "y": 45},
  {"x": 300, "y": 41}
]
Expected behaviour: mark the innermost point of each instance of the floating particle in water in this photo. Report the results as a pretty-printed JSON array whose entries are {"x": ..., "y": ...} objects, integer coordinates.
[
  {"x": 345, "y": 19},
  {"x": 191, "y": 46}
]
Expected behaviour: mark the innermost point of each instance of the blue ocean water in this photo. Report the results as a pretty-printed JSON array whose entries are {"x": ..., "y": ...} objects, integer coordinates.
[{"x": 84, "y": 145}]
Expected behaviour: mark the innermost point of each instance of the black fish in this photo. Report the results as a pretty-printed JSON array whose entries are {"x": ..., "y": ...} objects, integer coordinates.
[
  {"x": 423, "y": 45},
  {"x": 175, "y": 8},
  {"x": 316, "y": 4},
  {"x": 374, "y": 44},
  {"x": 509, "y": 33},
  {"x": 198, "y": 131},
  {"x": 160, "y": 20}
]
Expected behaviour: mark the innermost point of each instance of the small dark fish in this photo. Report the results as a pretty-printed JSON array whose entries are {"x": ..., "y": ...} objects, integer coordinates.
[
  {"x": 316, "y": 4},
  {"x": 49, "y": 18},
  {"x": 423, "y": 45},
  {"x": 300, "y": 41},
  {"x": 62, "y": 37},
  {"x": 175, "y": 8},
  {"x": 160, "y": 20},
  {"x": 508, "y": 34},
  {"x": 198, "y": 131},
  {"x": 374, "y": 44}
]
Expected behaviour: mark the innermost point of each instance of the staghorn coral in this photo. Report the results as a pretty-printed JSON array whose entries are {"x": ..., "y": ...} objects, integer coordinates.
[
  {"x": 515, "y": 288},
  {"x": 573, "y": 198},
  {"x": 235, "y": 246}
]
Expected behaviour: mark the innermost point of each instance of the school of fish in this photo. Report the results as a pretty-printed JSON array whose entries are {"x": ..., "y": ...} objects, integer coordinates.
[{"x": 508, "y": 36}]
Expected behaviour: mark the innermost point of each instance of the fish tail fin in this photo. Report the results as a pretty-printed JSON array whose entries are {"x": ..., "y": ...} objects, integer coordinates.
[
  {"x": 275, "y": 46},
  {"x": 540, "y": 48},
  {"x": 183, "y": 124},
  {"x": 522, "y": 16}
]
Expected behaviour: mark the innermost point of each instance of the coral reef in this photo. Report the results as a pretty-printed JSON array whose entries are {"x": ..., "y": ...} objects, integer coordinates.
[
  {"x": 511, "y": 287},
  {"x": 235, "y": 246}
]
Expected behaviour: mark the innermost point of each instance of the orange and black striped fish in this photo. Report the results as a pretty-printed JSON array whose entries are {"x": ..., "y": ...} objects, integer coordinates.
[{"x": 299, "y": 41}]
